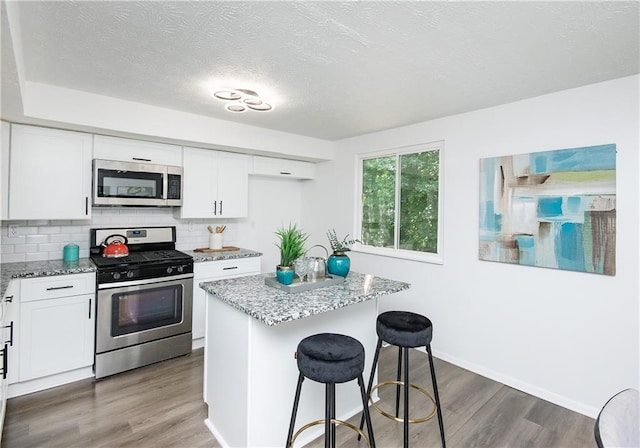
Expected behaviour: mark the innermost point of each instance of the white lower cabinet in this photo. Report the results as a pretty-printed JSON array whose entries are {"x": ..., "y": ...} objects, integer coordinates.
[
  {"x": 11, "y": 318},
  {"x": 209, "y": 271},
  {"x": 8, "y": 347},
  {"x": 54, "y": 333}
]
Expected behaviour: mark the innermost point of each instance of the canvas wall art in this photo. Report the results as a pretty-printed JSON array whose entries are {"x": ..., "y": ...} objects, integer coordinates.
[{"x": 552, "y": 209}]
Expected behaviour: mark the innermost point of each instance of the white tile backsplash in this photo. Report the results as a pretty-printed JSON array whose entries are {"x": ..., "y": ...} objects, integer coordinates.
[
  {"x": 36, "y": 239},
  {"x": 45, "y": 240},
  {"x": 41, "y": 256},
  {"x": 12, "y": 258},
  {"x": 25, "y": 248}
]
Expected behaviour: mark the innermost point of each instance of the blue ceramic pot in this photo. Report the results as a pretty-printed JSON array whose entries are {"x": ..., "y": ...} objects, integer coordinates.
[
  {"x": 338, "y": 264},
  {"x": 285, "y": 274}
]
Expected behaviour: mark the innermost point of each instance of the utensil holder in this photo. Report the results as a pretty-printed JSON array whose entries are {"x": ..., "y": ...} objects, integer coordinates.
[{"x": 215, "y": 241}]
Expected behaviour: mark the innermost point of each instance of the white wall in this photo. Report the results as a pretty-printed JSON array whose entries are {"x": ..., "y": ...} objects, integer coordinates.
[
  {"x": 568, "y": 337},
  {"x": 273, "y": 203}
]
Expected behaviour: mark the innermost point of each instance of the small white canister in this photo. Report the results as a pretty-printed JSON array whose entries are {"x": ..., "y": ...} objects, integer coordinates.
[{"x": 215, "y": 241}]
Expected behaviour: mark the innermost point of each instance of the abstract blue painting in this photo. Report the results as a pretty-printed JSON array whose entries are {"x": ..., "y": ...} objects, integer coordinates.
[{"x": 552, "y": 209}]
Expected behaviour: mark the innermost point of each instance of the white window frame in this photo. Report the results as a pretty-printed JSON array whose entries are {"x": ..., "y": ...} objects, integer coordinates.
[{"x": 425, "y": 257}]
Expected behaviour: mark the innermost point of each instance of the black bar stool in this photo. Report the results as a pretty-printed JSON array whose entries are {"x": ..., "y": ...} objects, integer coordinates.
[
  {"x": 405, "y": 330},
  {"x": 329, "y": 359}
]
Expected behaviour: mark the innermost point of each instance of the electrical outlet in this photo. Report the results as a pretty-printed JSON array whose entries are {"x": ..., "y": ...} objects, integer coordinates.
[{"x": 12, "y": 230}]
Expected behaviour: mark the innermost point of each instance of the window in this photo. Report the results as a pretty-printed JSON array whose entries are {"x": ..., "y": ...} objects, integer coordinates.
[{"x": 400, "y": 203}]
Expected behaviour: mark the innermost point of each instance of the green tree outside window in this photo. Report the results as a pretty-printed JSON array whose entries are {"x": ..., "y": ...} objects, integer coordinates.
[{"x": 400, "y": 201}]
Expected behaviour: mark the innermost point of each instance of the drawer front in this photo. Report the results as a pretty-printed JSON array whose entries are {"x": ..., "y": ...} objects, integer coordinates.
[
  {"x": 227, "y": 268},
  {"x": 57, "y": 286}
]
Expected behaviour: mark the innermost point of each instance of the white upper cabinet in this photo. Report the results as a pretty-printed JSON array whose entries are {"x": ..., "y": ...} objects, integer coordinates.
[
  {"x": 49, "y": 174},
  {"x": 215, "y": 184},
  {"x": 5, "y": 143},
  {"x": 291, "y": 169},
  {"x": 127, "y": 150}
]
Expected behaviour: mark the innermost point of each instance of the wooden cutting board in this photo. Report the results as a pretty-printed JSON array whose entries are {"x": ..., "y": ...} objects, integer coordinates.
[{"x": 224, "y": 249}]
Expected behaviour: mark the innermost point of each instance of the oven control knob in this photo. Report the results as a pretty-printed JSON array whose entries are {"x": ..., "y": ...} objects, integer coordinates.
[
  {"x": 116, "y": 275},
  {"x": 129, "y": 274},
  {"x": 180, "y": 268},
  {"x": 169, "y": 270}
]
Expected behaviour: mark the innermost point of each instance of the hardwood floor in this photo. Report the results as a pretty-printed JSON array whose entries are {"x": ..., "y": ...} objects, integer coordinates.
[{"x": 161, "y": 406}]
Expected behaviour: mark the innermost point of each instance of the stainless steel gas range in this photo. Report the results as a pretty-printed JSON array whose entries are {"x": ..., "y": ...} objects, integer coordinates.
[{"x": 144, "y": 299}]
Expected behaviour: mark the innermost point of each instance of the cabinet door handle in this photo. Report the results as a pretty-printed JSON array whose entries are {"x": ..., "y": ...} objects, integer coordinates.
[
  {"x": 53, "y": 288},
  {"x": 10, "y": 327},
  {"x": 90, "y": 308},
  {"x": 140, "y": 159},
  {"x": 8, "y": 299},
  {"x": 230, "y": 267},
  {"x": 86, "y": 205},
  {"x": 285, "y": 173},
  {"x": 220, "y": 208},
  {"x": 4, "y": 353},
  {"x": 215, "y": 207}
]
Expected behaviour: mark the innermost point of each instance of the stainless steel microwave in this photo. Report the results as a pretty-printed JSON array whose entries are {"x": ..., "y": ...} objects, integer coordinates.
[{"x": 136, "y": 184}]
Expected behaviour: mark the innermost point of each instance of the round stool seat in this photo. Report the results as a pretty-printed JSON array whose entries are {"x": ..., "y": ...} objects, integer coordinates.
[
  {"x": 330, "y": 358},
  {"x": 404, "y": 329}
]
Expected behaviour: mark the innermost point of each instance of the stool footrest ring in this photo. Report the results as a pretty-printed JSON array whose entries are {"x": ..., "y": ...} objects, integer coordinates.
[
  {"x": 333, "y": 420},
  {"x": 393, "y": 417}
]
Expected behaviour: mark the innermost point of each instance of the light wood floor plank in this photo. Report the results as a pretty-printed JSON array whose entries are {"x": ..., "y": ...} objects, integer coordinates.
[{"x": 161, "y": 406}]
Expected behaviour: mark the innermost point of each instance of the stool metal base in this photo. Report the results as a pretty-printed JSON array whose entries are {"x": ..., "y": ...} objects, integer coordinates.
[
  {"x": 397, "y": 419},
  {"x": 333, "y": 421},
  {"x": 403, "y": 352}
]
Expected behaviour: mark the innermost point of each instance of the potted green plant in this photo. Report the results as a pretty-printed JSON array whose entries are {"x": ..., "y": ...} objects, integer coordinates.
[
  {"x": 338, "y": 262},
  {"x": 291, "y": 245}
]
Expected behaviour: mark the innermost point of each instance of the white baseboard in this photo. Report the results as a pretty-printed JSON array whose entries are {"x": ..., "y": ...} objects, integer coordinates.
[
  {"x": 38, "y": 384},
  {"x": 197, "y": 343},
  {"x": 304, "y": 439},
  {"x": 523, "y": 386}
]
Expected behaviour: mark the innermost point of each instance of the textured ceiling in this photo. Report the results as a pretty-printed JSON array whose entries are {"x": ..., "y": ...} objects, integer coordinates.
[{"x": 331, "y": 69}]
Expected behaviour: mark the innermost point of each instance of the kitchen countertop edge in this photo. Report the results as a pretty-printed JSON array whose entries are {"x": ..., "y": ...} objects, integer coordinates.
[
  {"x": 44, "y": 268},
  {"x": 49, "y": 268},
  {"x": 203, "y": 257},
  {"x": 272, "y": 306}
]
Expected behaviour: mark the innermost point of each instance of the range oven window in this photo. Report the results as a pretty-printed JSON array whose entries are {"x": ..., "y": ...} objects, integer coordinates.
[
  {"x": 129, "y": 184},
  {"x": 136, "y": 311}
]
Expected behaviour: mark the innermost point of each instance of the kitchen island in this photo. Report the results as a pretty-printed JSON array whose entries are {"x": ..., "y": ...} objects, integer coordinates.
[{"x": 252, "y": 334}]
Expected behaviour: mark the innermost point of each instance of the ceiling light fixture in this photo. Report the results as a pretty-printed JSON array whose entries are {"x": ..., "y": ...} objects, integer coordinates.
[
  {"x": 227, "y": 95},
  {"x": 242, "y": 99},
  {"x": 235, "y": 108}
]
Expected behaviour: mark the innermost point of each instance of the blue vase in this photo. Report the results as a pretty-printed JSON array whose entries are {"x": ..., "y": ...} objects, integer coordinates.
[
  {"x": 338, "y": 264},
  {"x": 285, "y": 275}
]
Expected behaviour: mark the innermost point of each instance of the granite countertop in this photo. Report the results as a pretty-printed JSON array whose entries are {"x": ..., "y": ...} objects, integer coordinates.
[
  {"x": 30, "y": 269},
  {"x": 273, "y": 306},
  {"x": 199, "y": 257}
]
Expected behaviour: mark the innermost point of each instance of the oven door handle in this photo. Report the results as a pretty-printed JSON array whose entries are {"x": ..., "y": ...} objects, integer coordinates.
[{"x": 144, "y": 282}]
